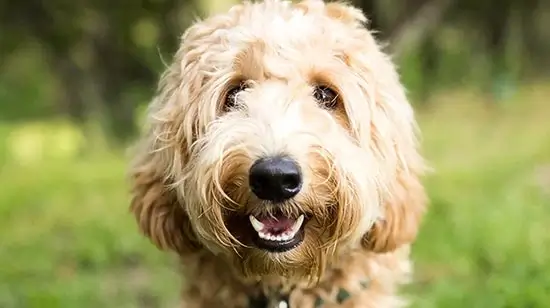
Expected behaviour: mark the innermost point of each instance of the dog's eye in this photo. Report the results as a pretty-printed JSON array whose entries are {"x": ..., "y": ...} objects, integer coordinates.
[
  {"x": 231, "y": 98},
  {"x": 326, "y": 96}
]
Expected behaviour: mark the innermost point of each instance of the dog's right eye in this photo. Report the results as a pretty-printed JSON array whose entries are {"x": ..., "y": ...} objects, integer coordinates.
[{"x": 231, "y": 98}]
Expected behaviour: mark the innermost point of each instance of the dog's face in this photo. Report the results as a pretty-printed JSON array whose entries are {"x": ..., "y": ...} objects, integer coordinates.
[{"x": 281, "y": 137}]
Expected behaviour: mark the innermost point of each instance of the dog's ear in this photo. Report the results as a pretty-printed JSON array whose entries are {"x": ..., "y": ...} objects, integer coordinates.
[
  {"x": 390, "y": 134},
  {"x": 159, "y": 214},
  {"x": 160, "y": 158},
  {"x": 402, "y": 215}
]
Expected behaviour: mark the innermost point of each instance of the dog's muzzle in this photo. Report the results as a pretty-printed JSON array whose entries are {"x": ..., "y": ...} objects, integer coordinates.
[{"x": 276, "y": 179}]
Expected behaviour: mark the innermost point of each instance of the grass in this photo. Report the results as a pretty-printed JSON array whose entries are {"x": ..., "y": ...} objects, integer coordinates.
[
  {"x": 67, "y": 239},
  {"x": 484, "y": 242}
]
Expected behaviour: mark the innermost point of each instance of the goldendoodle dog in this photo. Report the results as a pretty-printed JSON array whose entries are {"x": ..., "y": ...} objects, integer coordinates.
[{"x": 281, "y": 161}]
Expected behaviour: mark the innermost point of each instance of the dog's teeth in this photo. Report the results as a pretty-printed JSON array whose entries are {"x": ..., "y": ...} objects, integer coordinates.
[
  {"x": 256, "y": 224},
  {"x": 259, "y": 227},
  {"x": 291, "y": 233},
  {"x": 297, "y": 225}
]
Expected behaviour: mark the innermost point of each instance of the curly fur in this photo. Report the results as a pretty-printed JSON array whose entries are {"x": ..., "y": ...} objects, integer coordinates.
[{"x": 360, "y": 161}]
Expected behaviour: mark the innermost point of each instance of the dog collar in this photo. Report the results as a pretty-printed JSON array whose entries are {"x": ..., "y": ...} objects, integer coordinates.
[
  {"x": 277, "y": 299},
  {"x": 280, "y": 299}
]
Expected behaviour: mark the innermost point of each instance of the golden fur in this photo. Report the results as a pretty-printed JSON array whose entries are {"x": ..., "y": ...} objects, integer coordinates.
[{"x": 360, "y": 160}]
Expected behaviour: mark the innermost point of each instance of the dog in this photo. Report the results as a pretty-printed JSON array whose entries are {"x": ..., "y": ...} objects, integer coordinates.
[{"x": 281, "y": 161}]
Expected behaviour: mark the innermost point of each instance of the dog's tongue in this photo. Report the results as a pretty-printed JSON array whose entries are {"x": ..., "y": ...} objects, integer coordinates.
[{"x": 277, "y": 224}]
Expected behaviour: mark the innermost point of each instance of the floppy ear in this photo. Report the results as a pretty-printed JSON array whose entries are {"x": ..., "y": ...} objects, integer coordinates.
[
  {"x": 393, "y": 141},
  {"x": 159, "y": 214},
  {"x": 402, "y": 215},
  {"x": 390, "y": 132},
  {"x": 163, "y": 153},
  {"x": 160, "y": 158}
]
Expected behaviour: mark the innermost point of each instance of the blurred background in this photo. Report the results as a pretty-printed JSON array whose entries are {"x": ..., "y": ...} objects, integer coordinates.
[{"x": 76, "y": 75}]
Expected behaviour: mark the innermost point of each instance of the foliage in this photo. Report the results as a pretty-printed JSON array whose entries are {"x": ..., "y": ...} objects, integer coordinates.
[{"x": 100, "y": 59}]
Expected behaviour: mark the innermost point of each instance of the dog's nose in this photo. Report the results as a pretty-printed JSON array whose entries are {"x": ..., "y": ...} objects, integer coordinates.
[{"x": 275, "y": 178}]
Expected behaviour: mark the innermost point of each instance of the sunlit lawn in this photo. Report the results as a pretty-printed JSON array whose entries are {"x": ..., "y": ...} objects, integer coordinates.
[{"x": 67, "y": 239}]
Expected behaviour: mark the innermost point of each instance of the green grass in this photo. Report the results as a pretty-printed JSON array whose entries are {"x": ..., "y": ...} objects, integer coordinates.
[
  {"x": 485, "y": 242},
  {"x": 67, "y": 239}
]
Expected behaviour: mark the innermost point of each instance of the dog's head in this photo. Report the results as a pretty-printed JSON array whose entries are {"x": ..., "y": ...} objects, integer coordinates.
[{"x": 281, "y": 137}]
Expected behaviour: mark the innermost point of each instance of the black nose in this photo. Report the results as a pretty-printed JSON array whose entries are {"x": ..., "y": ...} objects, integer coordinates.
[{"x": 275, "y": 178}]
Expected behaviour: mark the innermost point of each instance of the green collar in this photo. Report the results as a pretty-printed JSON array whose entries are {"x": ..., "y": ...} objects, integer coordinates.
[{"x": 282, "y": 300}]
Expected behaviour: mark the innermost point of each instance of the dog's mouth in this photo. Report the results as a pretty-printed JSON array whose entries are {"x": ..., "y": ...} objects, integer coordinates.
[{"x": 277, "y": 233}]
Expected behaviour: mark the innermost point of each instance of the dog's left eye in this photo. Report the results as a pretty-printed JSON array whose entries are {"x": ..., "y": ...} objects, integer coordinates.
[{"x": 326, "y": 96}]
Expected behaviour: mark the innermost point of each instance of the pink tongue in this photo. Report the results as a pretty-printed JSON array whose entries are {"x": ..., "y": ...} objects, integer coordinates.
[{"x": 276, "y": 225}]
